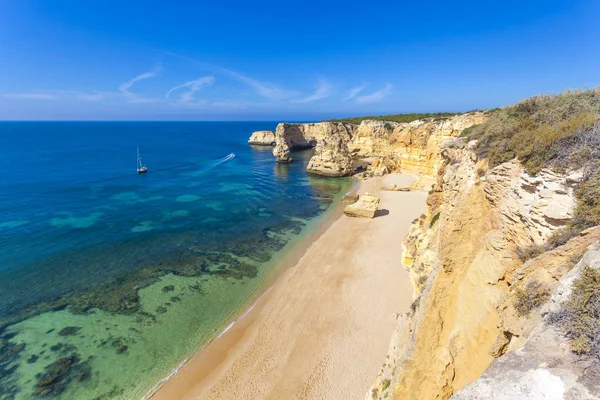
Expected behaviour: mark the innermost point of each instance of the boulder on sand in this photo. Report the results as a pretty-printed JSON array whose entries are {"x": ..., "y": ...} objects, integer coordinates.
[{"x": 365, "y": 207}]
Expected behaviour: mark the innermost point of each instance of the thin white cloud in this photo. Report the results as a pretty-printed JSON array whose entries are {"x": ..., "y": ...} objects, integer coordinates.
[
  {"x": 265, "y": 89},
  {"x": 352, "y": 93},
  {"x": 57, "y": 95},
  {"x": 30, "y": 96},
  {"x": 132, "y": 97},
  {"x": 187, "y": 97},
  {"x": 323, "y": 90},
  {"x": 91, "y": 97},
  {"x": 376, "y": 96}
]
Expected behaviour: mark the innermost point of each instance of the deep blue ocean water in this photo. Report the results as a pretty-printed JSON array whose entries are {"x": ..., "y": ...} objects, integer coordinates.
[{"x": 101, "y": 267}]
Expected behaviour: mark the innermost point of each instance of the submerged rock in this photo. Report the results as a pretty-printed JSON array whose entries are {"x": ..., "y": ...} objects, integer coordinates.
[
  {"x": 58, "y": 374},
  {"x": 262, "y": 138},
  {"x": 168, "y": 288},
  {"x": 69, "y": 331}
]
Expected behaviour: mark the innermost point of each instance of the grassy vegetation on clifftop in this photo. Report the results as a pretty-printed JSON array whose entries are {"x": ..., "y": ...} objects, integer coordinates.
[
  {"x": 398, "y": 117},
  {"x": 560, "y": 132}
]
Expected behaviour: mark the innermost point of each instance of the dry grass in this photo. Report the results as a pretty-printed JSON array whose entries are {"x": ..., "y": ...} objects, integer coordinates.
[
  {"x": 579, "y": 318},
  {"x": 560, "y": 132},
  {"x": 527, "y": 253},
  {"x": 531, "y": 297}
]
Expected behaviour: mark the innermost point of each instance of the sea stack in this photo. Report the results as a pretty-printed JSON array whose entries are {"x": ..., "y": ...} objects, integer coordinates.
[{"x": 262, "y": 138}]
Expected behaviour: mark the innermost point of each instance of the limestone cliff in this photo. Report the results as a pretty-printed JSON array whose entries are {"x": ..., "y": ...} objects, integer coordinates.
[
  {"x": 262, "y": 138},
  {"x": 332, "y": 156},
  {"x": 409, "y": 147},
  {"x": 415, "y": 145},
  {"x": 543, "y": 368},
  {"x": 463, "y": 259}
]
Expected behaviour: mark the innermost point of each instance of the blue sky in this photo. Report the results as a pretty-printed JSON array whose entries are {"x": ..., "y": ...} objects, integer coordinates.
[{"x": 286, "y": 60}]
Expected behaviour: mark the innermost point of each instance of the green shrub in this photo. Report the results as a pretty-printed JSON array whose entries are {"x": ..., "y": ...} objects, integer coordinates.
[
  {"x": 385, "y": 384},
  {"x": 434, "y": 219},
  {"x": 399, "y": 117},
  {"x": 579, "y": 318},
  {"x": 587, "y": 212},
  {"x": 534, "y": 295}
]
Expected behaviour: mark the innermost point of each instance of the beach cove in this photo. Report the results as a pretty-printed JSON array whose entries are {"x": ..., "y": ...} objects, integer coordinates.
[{"x": 323, "y": 328}]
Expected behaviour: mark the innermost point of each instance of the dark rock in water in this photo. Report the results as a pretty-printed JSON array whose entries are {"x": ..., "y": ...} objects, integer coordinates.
[
  {"x": 56, "y": 347},
  {"x": 32, "y": 359},
  {"x": 52, "y": 382},
  {"x": 59, "y": 374},
  {"x": 69, "y": 331},
  {"x": 10, "y": 351},
  {"x": 175, "y": 299},
  {"x": 168, "y": 288},
  {"x": 119, "y": 346},
  {"x": 8, "y": 336},
  {"x": 50, "y": 330},
  {"x": 161, "y": 309}
]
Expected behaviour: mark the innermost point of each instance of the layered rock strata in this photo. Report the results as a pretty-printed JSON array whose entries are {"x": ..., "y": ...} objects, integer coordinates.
[
  {"x": 462, "y": 258},
  {"x": 391, "y": 146}
]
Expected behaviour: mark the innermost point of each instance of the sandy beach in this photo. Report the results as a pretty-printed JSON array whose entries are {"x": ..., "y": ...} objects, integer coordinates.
[{"x": 323, "y": 329}]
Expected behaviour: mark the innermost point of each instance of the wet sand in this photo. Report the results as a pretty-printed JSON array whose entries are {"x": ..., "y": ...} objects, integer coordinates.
[{"x": 322, "y": 330}]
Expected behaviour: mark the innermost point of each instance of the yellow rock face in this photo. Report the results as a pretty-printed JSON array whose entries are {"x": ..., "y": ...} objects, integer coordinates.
[
  {"x": 415, "y": 144},
  {"x": 462, "y": 258}
]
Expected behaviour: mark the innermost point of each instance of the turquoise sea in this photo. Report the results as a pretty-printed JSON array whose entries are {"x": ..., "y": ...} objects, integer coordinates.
[{"x": 110, "y": 279}]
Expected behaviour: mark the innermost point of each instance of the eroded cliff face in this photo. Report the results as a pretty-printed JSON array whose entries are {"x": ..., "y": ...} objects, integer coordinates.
[
  {"x": 392, "y": 146},
  {"x": 544, "y": 366},
  {"x": 329, "y": 138},
  {"x": 415, "y": 145},
  {"x": 462, "y": 258}
]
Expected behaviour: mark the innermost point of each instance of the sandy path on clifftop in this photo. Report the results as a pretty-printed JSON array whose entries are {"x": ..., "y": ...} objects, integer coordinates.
[{"x": 323, "y": 330}]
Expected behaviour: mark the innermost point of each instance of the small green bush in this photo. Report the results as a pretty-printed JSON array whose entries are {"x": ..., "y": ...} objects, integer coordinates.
[
  {"x": 587, "y": 212},
  {"x": 385, "y": 384},
  {"x": 399, "y": 117},
  {"x": 579, "y": 318},
  {"x": 534, "y": 295},
  {"x": 434, "y": 220}
]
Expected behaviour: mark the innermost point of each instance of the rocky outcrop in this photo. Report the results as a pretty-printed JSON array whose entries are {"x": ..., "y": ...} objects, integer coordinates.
[
  {"x": 462, "y": 258},
  {"x": 332, "y": 157},
  {"x": 409, "y": 147},
  {"x": 262, "y": 138},
  {"x": 544, "y": 367},
  {"x": 415, "y": 145}
]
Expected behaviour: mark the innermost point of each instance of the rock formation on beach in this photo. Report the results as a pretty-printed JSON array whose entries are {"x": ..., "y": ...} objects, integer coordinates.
[
  {"x": 365, "y": 207},
  {"x": 262, "y": 138}
]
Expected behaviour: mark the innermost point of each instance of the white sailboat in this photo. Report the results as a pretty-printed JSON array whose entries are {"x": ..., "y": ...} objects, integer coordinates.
[{"x": 141, "y": 168}]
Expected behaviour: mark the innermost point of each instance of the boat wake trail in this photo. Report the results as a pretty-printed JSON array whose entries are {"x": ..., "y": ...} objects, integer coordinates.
[
  {"x": 217, "y": 162},
  {"x": 151, "y": 170}
]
